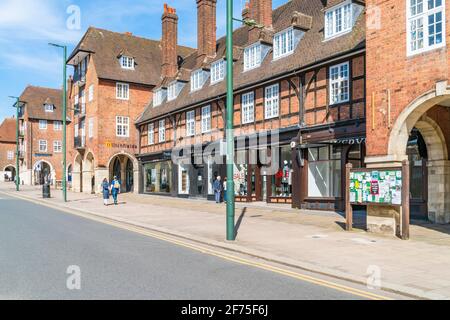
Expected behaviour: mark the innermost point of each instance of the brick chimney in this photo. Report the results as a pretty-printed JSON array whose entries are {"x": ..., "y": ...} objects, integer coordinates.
[
  {"x": 261, "y": 11},
  {"x": 206, "y": 27},
  {"x": 169, "y": 42},
  {"x": 246, "y": 11}
]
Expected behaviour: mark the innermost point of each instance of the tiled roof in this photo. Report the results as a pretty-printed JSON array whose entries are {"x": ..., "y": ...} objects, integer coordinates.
[
  {"x": 8, "y": 130},
  {"x": 108, "y": 46},
  {"x": 35, "y": 98},
  {"x": 311, "y": 49}
]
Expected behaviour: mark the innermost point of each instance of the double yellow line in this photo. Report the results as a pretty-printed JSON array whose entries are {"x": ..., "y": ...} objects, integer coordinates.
[{"x": 225, "y": 256}]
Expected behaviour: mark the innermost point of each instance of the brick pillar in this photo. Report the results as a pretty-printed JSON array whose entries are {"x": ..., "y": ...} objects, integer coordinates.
[
  {"x": 169, "y": 19},
  {"x": 206, "y": 30}
]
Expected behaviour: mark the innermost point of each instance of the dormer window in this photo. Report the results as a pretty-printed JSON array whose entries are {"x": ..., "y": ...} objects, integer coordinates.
[
  {"x": 158, "y": 96},
  {"x": 252, "y": 57},
  {"x": 340, "y": 19},
  {"x": 174, "y": 90},
  {"x": 198, "y": 79},
  {"x": 127, "y": 62},
  {"x": 218, "y": 70},
  {"x": 49, "y": 107},
  {"x": 283, "y": 43}
]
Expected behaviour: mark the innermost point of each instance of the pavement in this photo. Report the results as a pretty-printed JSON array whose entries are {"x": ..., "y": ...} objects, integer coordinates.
[{"x": 305, "y": 240}]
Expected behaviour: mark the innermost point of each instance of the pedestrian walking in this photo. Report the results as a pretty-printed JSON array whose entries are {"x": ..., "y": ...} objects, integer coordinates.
[
  {"x": 225, "y": 189},
  {"x": 217, "y": 186},
  {"x": 115, "y": 189},
  {"x": 105, "y": 191}
]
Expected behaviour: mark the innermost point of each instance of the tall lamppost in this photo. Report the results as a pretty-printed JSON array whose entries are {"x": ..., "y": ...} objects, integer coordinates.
[
  {"x": 64, "y": 118},
  {"x": 231, "y": 207},
  {"x": 17, "y": 105}
]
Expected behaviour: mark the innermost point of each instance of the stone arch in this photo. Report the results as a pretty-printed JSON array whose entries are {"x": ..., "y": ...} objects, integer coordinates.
[
  {"x": 408, "y": 118},
  {"x": 88, "y": 173},
  {"x": 415, "y": 116},
  {"x": 77, "y": 174},
  {"x": 9, "y": 173},
  {"x": 127, "y": 166},
  {"x": 40, "y": 176}
]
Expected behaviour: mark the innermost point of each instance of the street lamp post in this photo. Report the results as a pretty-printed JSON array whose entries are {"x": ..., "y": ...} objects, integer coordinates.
[
  {"x": 64, "y": 119},
  {"x": 231, "y": 234},
  {"x": 17, "y": 104}
]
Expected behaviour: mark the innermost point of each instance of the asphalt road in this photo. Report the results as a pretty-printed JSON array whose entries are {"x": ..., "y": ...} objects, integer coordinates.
[{"x": 38, "y": 245}]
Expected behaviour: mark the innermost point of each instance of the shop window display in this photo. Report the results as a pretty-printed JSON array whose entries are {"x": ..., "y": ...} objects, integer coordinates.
[
  {"x": 158, "y": 177},
  {"x": 282, "y": 180},
  {"x": 324, "y": 172}
]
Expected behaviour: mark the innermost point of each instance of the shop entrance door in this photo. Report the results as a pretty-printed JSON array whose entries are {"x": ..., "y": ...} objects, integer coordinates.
[{"x": 199, "y": 185}]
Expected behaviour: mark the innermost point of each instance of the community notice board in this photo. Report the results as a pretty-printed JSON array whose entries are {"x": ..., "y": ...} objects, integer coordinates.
[{"x": 376, "y": 187}]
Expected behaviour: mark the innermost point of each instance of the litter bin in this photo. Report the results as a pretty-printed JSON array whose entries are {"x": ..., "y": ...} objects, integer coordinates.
[{"x": 46, "y": 191}]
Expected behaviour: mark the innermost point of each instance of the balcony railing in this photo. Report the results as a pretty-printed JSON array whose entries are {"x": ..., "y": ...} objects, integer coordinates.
[
  {"x": 80, "y": 109},
  {"x": 80, "y": 142},
  {"x": 21, "y": 155}
]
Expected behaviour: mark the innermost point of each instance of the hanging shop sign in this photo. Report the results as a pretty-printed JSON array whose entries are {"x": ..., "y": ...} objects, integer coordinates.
[{"x": 376, "y": 187}]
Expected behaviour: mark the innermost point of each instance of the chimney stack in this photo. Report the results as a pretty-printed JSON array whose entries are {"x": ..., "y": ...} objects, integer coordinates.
[
  {"x": 246, "y": 11},
  {"x": 206, "y": 30},
  {"x": 169, "y": 41},
  {"x": 261, "y": 11}
]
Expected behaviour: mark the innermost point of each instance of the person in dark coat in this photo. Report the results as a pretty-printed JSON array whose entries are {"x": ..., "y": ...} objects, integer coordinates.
[{"x": 105, "y": 191}]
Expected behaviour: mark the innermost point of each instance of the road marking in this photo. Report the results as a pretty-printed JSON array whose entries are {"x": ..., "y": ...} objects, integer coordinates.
[{"x": 211, "y": 252}]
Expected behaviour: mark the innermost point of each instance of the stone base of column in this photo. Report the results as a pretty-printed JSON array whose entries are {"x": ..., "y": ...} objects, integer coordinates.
[
  {"x": 76, "y": 181},
  {"x": 100, "y": 174}
]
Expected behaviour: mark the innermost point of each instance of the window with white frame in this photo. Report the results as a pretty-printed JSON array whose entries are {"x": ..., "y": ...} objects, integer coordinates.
[
  {"x": 283, "y": 43},
  {"x": 218, "y": 71},
  {"x": 122, "y": 126},
  {"x": 339, "y": 20},
  {"x": 49, "y": 107},
  {"x": 91, "y": 93},
  {"x": 206, "y": 119},
  {"x": 190, "y": 123},
  {"x": 162, "y": 131},
  {"x": 158, "y": 97},
  {"x": 42, "y": 124},
  {"x": 57, "y": 146},
  {"x": 252, "y": 57},
  {"x": 76, "y": 130},
  {"x": 272, "y": 101},
  {"x": 91, "y": 128},
  {"x": 248, "y": 108},
  {"x": 151, "y": 134},
  {"x": 172, "y": 91},
  {"x": 127, "y": 62},
  {"x": 426, "y": 25},
  {"x": 57, "y": 125},
  {"x": 339, "y": 83},
  {"x": 42, "y": 145},
  {"x": 197, "y": 80},
  {"x": 122, "y": 91},
  {"x": 10, "y": 155}
]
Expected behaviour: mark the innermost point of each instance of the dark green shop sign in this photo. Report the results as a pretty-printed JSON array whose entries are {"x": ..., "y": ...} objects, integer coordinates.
[{"x": 376, "y": 187}]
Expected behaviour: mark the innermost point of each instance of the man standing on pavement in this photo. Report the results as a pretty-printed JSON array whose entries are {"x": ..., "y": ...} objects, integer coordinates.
[
  {"x": 217, "y": 186},
  {"x": 115, "y": 189}
]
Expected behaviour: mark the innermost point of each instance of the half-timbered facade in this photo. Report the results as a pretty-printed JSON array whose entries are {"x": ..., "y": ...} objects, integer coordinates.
[{"x": 299, "y": 75}]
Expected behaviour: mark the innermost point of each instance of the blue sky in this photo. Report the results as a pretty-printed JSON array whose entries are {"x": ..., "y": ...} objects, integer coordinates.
[{"x": 26, "y": 27}]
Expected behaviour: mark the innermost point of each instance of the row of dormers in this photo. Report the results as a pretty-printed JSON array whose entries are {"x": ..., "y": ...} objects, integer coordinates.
[{"x": 338, "y": 20}]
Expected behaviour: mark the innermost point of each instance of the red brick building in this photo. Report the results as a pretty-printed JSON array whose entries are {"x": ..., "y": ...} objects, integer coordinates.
[
  {"x": 408, "y": 114},
  {"x": 114, "y": 75},
  {"x": 40, "y": 138},
  {"x": 8, "y": 150},
  {"x": 298, "y": 76}
]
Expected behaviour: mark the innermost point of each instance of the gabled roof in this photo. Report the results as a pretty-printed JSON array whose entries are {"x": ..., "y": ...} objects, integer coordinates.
[
  {"x": 311, "y": 49},
  {"x": 36, "y": 97},
  {"x": 8, "y": 130},
  {"x": 107, "y": 46}
]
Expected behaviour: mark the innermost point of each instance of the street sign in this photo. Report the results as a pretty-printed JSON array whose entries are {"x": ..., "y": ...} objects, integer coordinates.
[{"x": 376, "y": 186}]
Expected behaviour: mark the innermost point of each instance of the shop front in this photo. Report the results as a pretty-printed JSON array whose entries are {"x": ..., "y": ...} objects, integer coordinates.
[
  {"x": 322, "y": 155},
  {"x": 157, "y": 174}
]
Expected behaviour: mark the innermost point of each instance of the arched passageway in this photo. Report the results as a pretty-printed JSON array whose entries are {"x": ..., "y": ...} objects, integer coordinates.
[
  {"x": 43, "y": 173},
  {"x": 9, "y": 174},
  {"x": 124, "y": 167}
]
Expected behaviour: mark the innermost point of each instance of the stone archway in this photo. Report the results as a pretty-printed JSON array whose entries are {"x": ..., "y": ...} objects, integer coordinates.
[
  {"x": 77, "y": 174},
  {"x": 9, "y": 174},
  {"x": 125, "y": 167},
  {"x": 436, "y": 140},
  {"x": 43, "y": 172},
  {"x": 88, "y": 174}
]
